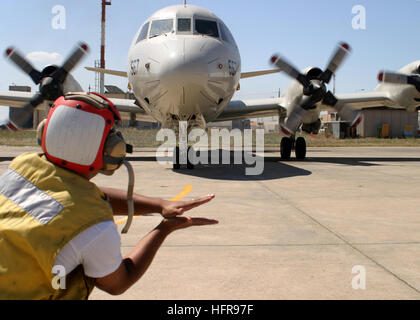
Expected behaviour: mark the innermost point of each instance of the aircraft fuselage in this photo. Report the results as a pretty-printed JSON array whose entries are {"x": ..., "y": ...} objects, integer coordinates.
[{"x": 184, "y": 65}]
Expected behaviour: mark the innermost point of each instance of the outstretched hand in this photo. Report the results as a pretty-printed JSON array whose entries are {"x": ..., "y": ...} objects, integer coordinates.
[
  {"x": 177, "y": 223},
  {"x": 171, "y": 209}
]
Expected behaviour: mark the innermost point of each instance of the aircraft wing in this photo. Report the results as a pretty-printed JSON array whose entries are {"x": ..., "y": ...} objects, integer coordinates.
[
  {"x": 248, "y": 109},
  {"x": 126, "y": 105},
  {"x": 123, "y": 74},
  {"x": 108, "y": 71},
  {"x": 252, "y": 74},
  {"x": 365, "y": 100},
  {"x": 18, "y": 99}
]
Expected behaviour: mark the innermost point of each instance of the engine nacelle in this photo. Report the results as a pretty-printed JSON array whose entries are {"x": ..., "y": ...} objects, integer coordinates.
[
  {"x": 405, "y": 95},
  {"x": 70, "y": 84},
  {"x": 312, "y": 127},
  {"x": 312, "y": 72},
  {"x": 294, "y": 92}
]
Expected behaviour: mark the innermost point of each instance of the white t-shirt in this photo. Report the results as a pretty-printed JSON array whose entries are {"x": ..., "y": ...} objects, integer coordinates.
[{"x": 97, "y": 248}]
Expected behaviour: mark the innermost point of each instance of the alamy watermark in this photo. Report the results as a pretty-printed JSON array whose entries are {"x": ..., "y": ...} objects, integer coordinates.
[
  {"x": 200, "y": 151},
  {"x": 359, "y": 280},
  {"x": 59, "y": 279},
  {"x": 359, "y": 20},
  {"x": 59, "y": 19}
]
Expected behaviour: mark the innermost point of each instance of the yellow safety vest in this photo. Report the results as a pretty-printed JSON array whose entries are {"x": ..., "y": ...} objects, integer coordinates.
[{"x": 43, "y": 207}]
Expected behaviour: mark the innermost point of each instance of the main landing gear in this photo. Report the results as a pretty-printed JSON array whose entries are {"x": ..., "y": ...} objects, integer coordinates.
[
  {"x": 290, "y": 143},
  {"x": 176, "y": 163}
]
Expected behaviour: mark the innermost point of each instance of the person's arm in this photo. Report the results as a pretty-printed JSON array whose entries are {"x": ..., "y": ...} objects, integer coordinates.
[
  {"x": 135, "y": 264},
  {"x": 142, "y": 204},
  {"x": 146, "y": 205}
]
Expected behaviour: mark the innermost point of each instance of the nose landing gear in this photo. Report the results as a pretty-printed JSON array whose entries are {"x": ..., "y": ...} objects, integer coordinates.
[
  {"x": 176, "y": 163},
  {"x": 288, "y": 144}
]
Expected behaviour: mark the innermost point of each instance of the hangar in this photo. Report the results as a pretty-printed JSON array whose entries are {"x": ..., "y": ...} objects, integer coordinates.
[
  {"x": 376, "y": 122},
  {"x": 392, "y": 123}
]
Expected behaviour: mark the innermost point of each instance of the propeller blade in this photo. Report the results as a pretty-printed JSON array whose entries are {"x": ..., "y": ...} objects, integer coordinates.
[
  {"x": 343, "y": 49},
  {"x": 283, "y": 65},
  {"x": 51, "y": 79},
  {"x": 398, "y": 78},
  {"x": 23, "y": 64},
  {"x": 293, "y": 121},
  {"x": 78, "y": 53},
  {"x": 35, "y": 102},
  {"x": 347, "y": 113},
  {"x": 393, "y": 77},
  {"x": 329, "y": 99},
  {"x": 27, "y": 111},
  {"x": 23, "y": 117},
  {"x": 12, "y": 126}
]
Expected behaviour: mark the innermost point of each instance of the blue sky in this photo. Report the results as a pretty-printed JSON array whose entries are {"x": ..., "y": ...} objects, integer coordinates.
[{"x": 304, "y": 31}]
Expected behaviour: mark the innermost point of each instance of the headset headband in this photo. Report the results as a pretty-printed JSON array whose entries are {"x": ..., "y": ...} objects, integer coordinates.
[{"x": 97, "y": 100}]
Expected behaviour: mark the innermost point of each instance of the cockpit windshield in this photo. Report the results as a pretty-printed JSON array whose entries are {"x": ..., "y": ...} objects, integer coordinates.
[
  {"x": 160, "y": 27},
  {"x": 184, "y": 24},
  {"x": 143, "y": 32},
  {"x": 207, "y": 27},
  {"x": 226, "y": 35}
]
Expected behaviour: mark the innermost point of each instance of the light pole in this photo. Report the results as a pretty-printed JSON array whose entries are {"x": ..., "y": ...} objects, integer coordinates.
[{"x": 102, "y": 77}]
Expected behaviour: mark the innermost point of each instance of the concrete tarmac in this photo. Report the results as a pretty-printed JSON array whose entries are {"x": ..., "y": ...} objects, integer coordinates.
[{"x": 298, "y": 231}]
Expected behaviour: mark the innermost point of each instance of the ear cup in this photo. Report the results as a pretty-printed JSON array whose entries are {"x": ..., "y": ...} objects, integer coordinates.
[
  {"x": 40, "y": 131},
  {"x": 114, "y": 152}
]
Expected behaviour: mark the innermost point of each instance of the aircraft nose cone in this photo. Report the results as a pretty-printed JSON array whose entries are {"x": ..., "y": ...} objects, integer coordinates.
[
  {"x": 183, "y": 77},
  {"x": 181, "y": 67},
  {"x": 190, "y": 77}
]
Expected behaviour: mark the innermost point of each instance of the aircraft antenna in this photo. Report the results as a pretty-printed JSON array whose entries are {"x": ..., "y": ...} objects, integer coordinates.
[{"x": 102, "y": 76}]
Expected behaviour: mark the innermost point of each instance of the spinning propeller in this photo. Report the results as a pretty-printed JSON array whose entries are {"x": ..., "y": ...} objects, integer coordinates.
[
  {"x": 398, "y": 78},
  {"x": 315, "y": 90},
  {"x": 50, "y": 80}
]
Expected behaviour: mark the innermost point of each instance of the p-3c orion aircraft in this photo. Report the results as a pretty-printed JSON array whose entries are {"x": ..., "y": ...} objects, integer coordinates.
[{"x": 184, "y": 65}]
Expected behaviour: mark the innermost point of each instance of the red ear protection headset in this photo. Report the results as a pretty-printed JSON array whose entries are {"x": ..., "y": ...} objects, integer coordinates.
[{"x": 78, "y": 134}]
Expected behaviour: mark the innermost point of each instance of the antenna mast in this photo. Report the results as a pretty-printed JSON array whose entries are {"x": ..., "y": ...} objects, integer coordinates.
[{"x": 102, "y": 76}]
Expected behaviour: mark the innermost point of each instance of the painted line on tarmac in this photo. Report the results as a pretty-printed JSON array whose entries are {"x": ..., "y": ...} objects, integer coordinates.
[
  {"x": 183, "y": 193},
  {"x": 187, "y": 189}
]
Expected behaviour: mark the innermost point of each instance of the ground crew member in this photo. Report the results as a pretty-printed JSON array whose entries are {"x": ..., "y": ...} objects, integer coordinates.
[{"x": 57, "y": 235}]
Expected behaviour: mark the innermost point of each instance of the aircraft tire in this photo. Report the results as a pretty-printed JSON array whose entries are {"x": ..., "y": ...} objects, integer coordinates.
[
  {"x": 285, "y": 148},
  {"x": 175, "y": 159},
  {"x": 300, "y": 148},
  {"x": 190, "y": 166}
]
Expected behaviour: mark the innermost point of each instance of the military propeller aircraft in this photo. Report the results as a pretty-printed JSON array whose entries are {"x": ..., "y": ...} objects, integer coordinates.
[{"x": 184, "y": 65}]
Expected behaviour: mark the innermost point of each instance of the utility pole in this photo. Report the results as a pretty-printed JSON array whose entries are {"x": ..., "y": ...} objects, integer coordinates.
[{"x": 102, "y": 77}]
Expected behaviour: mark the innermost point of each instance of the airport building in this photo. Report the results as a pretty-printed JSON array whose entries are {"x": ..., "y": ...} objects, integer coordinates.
[
  {"x": 376, "y": 122},
  {"x": 388, "y": 123},
  {"x": 234, "y": 124}
]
